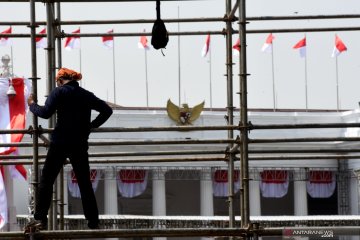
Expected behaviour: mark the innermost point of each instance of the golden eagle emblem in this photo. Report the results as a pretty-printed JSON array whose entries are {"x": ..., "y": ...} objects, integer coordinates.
[{"x": 184, "y": 115}]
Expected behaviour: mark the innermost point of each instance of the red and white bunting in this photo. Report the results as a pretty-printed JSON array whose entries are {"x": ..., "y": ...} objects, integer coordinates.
[
  {"x": 74, "y": 186},
  {"x": 3, "y": 201},
  {"x": 321, "y": 184},
  {"x": 274, "y": 183},
  {"x": 221, "y": 185},
  {"x": 132, "y": 183}
]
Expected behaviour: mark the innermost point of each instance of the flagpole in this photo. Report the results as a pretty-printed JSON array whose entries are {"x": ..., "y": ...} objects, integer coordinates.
[
  {"x": 12, "y": 61},
  {"x": 306, "y": 87},
  {"x": 81, "y": 82},
  {"x": 113, "y": 51},
  {"x": 210, "y": 77},
  {"x": 146, "y": 80},
  {"x": 179, "y": 62},
  {"x": 337, "y": 83},
  {"x": 273, "y": 75}
]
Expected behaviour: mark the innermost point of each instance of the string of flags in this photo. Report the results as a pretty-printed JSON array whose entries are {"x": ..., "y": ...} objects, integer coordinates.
[{"x": 108, "y": 42}]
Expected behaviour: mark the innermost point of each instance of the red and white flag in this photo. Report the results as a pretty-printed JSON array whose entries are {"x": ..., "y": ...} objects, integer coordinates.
[
  {"x": 236, "y": 47},
  {"x": 73, "y": 42},
  {"x": 339, "y": 47},
  {"x": 274, "y": 183},
  {"x": 12, "y": 112},
  {"x": 6, "y": 41},
  {"x": 221, "y": 185},
  {"x": 267, "y": 47},
  {"x": 3, "y": 201},
  {"x": 321, "y": 184},
  {"x": 301, "y": 46},
  {"x": 108, "y": 41},
  {"x": 74, "y": 186},
  {"x": 143, "y": 43},
  {"x": 206, "y": 47},
  {"x": 41, "y": 42},
  {"x": 132, "y": 183}
]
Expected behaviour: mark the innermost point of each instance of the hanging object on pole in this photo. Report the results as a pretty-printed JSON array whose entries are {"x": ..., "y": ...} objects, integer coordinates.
[
  {"x": 11, "y": 91},
  {"x": 159, "y": 35}
]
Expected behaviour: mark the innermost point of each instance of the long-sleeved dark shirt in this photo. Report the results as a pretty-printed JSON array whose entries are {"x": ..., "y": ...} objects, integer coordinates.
[{"x": 73, "y": 105}]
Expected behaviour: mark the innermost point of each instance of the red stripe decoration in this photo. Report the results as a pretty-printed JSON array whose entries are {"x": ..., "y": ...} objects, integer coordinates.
[
  {"x": 222, "y": 176},
  {"x": 323, "y": 177},
  {"x": 132, "y": 176},
  {"x": 274, "y": 176}
]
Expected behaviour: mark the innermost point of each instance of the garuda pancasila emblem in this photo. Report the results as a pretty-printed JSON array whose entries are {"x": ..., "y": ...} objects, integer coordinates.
[{"x": 184, "y": 115}]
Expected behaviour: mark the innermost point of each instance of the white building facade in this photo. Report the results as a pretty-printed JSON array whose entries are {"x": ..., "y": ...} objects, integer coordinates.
[{"x": 291, "y": 187}]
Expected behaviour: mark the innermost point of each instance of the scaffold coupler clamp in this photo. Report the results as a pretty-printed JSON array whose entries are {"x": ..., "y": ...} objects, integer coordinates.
[{"x": 31, "y": 131}]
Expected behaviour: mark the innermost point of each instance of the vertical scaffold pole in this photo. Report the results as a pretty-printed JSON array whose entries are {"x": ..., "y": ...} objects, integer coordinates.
[
  {"x": 50, "y": 86},
  {"x": 34, "y": 78},
  {"x": 230, "y": 112},
  {"x": 59, "y": 65},
  {"x": 244, "y": 158}
]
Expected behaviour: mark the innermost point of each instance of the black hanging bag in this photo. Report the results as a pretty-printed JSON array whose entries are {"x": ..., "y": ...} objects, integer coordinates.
[{"x": 159, "y": 34}]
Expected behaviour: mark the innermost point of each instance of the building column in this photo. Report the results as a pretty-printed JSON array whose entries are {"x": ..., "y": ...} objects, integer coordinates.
[
  {"x": 355, "y": 196},
  {"x": 110, "y": 192},
  {"x": 66, "y": 192},
  {"x": 9, "y": 189},
  {"x": 300, "y": 194},
  {"x": 206, "y": 194},
  {"x": 255, "y": 206},
  {"x": 159, "y": 195}
]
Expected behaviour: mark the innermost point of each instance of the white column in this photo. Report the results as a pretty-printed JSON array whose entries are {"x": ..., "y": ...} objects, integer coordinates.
[
  {"x": 159, "y": 196},
  {"x": 354, "y": 194},
  {"x": 9, "y": 188},
  {"x": 255, "y": 208},
  {"x": 300, "y": 196},
  {"x": 206, "y": 194},
  {"x": 159, "y": 193},
  {"x": 110, "y": 192},
  {"x": 66, "y": 191}
]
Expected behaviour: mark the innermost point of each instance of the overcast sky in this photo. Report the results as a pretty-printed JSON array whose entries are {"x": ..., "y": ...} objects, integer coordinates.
[{"x": 163, "y": 75}]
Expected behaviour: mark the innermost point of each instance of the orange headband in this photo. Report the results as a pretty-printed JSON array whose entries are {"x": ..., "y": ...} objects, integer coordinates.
[{"x": 69, "y": 74}]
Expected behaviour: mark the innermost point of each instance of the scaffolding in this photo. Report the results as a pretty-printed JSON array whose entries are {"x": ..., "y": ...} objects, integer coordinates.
[{"x": 237, "y": 144}]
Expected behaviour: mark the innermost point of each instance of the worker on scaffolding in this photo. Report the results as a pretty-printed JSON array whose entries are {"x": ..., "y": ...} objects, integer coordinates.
[{"x": 69, "y": 139}]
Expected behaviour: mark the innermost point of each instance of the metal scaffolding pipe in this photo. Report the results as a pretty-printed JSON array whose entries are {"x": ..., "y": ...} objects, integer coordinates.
[
  {"x": 287, "y": 140},
  {"x": 128, "y": 233},
  {"x": 196, "y": 128},
  {"x": 119, "y": 161},
  {"x": 244, "y": 141},
  {"x": 34, "y": 78},
  {"x": 187, "y": 20},
  {"x": 190, "y": 33}
]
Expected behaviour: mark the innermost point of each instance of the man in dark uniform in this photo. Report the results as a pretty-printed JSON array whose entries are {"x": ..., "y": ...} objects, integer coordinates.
[{"x": 69, "y": 139}]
